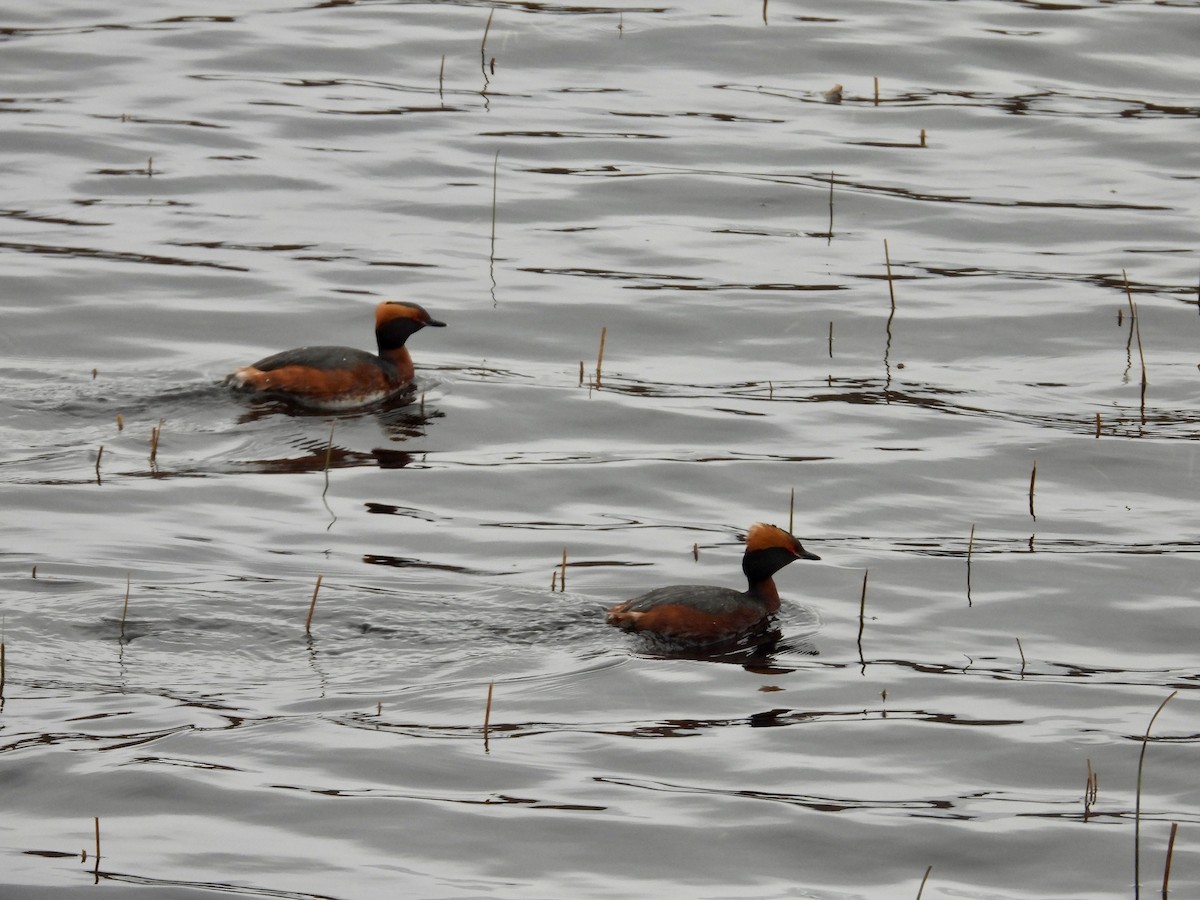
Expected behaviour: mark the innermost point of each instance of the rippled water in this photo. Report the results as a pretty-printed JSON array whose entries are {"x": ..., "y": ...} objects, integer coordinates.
[{"x": 190, "y": 188}]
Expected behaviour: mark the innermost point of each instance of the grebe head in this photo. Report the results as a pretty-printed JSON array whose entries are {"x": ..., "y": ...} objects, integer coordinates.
[
  {"x": 396, "y": 322},
  {"x": 770, "y": 548}
]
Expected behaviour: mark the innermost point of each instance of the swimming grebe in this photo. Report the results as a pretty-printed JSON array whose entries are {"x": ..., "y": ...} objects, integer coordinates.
[
  {"x": 342, "y": 376},
  {"x": 700, "y": 613}
]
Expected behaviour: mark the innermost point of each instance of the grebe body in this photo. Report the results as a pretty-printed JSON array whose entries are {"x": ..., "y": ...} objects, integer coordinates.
[
  {"x": 342, "y": 376},
  {"x": 703, "y": 613}
]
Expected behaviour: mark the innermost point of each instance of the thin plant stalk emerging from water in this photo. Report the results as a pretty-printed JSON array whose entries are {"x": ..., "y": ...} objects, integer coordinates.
[
  {"x": 1032, "y": 482},
  {"x": 1137, "y": 813},
  {"x": 970, "y": 549},
  {"x": 921, "y": 890},
  {"x": 125, "y": 606},
  {"x": 600, "y": 355},
  {"x": 312, "y": 606},
  {"x": 487, "y": 716},
  {"x": 862, "y": 611}
]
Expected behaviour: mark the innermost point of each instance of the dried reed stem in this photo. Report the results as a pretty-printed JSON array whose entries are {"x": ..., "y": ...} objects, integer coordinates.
[
  {"x": 562, "y": 579},
  {"x": 831, "y": 340},
  {"x": 442, "y": 78},
  {"x": 1097, "y": 424},
  {"x": 581, "y": 373},
  {"x": 1137, "y": 814},
  {"x": 1, "y": 670},
  {"x": 921, "y": 890},
  {"x": 553, "y": 580},
  {"x": 1166, "y": 890},
  {"x": 922, "y": 137},
  {"x": 696, "y": 552},
  {"x": 125, "y": 606},
  {"x": 764, "y": 12},
  {"x": 155, "y": 435},
  {"x": 483, "y": 43},
  {"x": 831, "y": 204},
  {"x": 792, "y": 512},
  {"x": 95, "y": 372},
  {"x": 99, "y": 453},
  {"x": 120, "y": 422},
  {"x": 876, "y": 90},
  {"x": 1032, "y": 482},
  {"x": 1090, "y": 791},
  {"x": 1137, "y": 326},
  {"x": 862, "y": 611},
  {"x": 487, "y": 715},
  {"x": 600, "y": 355},
  {"x": 970, "y": 550},
  {"x": 1021, "y": 650},
  {"x": 312, "y": 606},
  {"x": 495, "y": 188},
  {"x": 328, "y": 459},
  {"x": 888, "y": 259}
]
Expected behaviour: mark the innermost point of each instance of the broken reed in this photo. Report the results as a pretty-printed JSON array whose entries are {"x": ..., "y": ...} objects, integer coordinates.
[
  {"x": 495, "y": 187},
  {"x": 887, "y": 257},
  {"x": 487, "y": 715},
  {"x": 792, "y": 512},
  {"x": 1, "y": 670},
  {"x": 970, "y": 549},
  {"x": 1137, "y": 327},
  {"x": 155, "y": 434},
  {"x": 442, "y": 78},
  {"x": 96, "y": 871},
  {"x": 125, "y": 606},
  {"x": 1166, "y": 888},
  {"x": 312, "y": 606},
  {"x": 921, "y": 890},
  {"x": 600, "y": 355},
  {"x": 1137, "y": 813},
  {"x": 1032, "y": 482},
  {"x": 99, "y": 453},
  {"x": 558, "y": 583},
  {"x": 1091, "y": 790},
  {"x": 1021, "y": 650},
  {"x": 862, "y": 611},
  {"x": 831, "y": 204},
  {"x": 483, "y": 43}
]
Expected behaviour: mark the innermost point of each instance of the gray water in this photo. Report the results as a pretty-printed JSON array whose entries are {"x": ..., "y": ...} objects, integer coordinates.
[{"x": 187, "y": 189}]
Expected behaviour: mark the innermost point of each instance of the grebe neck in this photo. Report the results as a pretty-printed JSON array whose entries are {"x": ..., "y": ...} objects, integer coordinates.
[{"x": 765, "y": 592}]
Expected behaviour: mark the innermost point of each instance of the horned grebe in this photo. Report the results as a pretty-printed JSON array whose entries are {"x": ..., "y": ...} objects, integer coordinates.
[
  {"x": 342, "y": 376},
  {"x": 702, "y": 613}
]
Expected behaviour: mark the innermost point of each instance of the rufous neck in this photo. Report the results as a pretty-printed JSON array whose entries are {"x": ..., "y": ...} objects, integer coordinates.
[
  {"x": 400, "y": 358},
  {"x": 766, "y": 593}
]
